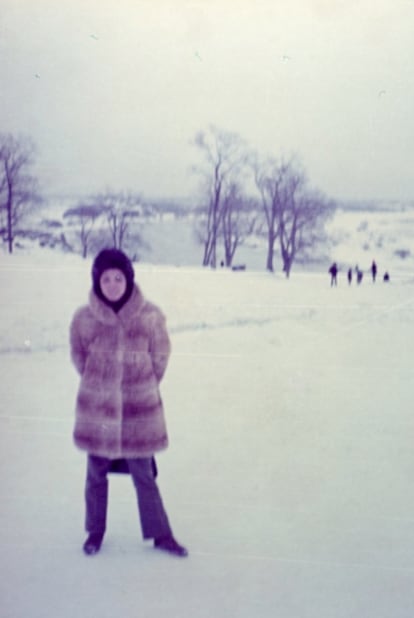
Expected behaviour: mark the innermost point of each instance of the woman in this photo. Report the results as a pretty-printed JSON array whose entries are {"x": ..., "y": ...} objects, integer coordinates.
[{"x": 120, "y": 347}]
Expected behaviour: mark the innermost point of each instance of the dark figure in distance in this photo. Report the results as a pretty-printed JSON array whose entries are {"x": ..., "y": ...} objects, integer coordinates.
[
  {"x": 374, "y": 271},
  {"x": 333, "y": 271},
  {"x": 350, "y": 276}
]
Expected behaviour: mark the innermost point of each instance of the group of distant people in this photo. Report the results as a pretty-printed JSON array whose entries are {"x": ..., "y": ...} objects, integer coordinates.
[{"x": 359, "y": 274}]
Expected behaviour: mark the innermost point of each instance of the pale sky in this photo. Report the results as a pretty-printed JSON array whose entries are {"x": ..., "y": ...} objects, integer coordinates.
[{"x": 113, "y": 91}]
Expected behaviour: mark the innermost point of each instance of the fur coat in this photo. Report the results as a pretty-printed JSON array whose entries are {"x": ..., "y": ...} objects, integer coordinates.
[{"x": 121, "y": 358}]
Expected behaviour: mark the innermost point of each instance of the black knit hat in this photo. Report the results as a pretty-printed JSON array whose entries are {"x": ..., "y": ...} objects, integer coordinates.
[{"x": 112, "y": 258}]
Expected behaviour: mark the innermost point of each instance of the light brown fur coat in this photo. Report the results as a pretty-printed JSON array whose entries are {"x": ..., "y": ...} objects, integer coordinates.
[{"x": 121, "y": 358}]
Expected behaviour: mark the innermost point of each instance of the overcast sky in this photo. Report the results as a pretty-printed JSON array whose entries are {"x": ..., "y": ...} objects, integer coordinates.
[{"x": 113, "y": 91}]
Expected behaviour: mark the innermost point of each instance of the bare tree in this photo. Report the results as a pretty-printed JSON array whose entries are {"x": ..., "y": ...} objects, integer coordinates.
[
  {"x": 301, "y": 218},
  {"x": 239, "y": 219},
  {"x": 294, "y": 214},
  {"x": 269, "y": 177},
  {"x": 84, "y": 217},
  {"x": 18, "y": 189},
  {"x": 224, "y": 157},
  {"x": 310, "y": 211}
]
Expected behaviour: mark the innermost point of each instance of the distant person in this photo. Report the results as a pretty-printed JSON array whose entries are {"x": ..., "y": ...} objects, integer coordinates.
[
  {"x": 359, "y": 276},
  {"x": 120, "y": 347},
  {"x": 333, "y": 271},
  {"x": 374, "y": 271},
  {"x": 386, "y": 277},
  {"x": 350, "y": 276}
]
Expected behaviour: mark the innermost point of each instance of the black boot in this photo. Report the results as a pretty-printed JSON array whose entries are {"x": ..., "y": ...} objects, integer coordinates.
[
  {"x": 170, "y": 545},
  {"x": 93, "y": 543}
]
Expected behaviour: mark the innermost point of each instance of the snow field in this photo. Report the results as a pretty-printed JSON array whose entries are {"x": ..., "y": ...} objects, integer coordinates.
[{"x": 289, "y": 407}]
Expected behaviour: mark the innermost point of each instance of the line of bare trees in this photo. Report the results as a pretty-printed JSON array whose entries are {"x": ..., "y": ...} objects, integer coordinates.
[
  {"x": 241, "y": 194},
  {"x": 283, "y": 208},
  {"x": 19, "y": 196}
]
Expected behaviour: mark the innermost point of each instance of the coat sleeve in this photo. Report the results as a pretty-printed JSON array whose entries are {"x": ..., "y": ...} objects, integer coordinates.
[
  {"x": 77, "y": 348},
  {"x": 160, "y": 345}
]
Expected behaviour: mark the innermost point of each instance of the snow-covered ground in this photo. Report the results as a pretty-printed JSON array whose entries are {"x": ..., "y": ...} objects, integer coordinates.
[{"x": 289, "y": 475}]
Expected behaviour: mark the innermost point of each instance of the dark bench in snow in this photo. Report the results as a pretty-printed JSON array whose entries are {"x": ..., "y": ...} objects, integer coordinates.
[{"x": 239, "y": 267}]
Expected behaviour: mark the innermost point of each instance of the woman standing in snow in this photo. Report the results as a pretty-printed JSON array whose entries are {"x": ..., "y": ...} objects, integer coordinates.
[{"x": 120, "y": 347}]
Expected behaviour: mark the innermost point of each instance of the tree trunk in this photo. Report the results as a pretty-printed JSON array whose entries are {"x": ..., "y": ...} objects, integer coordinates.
[
  {"x": 270, "y": 252},
  {"x": 9, "y": 224},
  {"x": 287, "y": 261}
]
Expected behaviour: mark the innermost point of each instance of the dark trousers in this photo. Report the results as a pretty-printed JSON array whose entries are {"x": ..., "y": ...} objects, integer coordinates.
[{"x": 153, "y": 518}]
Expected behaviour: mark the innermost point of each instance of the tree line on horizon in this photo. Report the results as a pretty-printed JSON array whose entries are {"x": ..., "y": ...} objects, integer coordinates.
[{"x": 240, "y": 194}]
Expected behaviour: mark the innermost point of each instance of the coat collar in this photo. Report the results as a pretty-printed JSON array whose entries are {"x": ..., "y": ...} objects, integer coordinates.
[{"x": 103, "y": 313}]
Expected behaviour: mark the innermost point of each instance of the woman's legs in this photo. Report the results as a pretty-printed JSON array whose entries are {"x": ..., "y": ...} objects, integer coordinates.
[
  {"x": 96, "y": 494},
  {"x": 154, "y": 519}
]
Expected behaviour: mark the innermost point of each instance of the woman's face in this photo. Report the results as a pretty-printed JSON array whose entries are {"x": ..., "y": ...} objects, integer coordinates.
[{"x": 113, "y": 284}]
